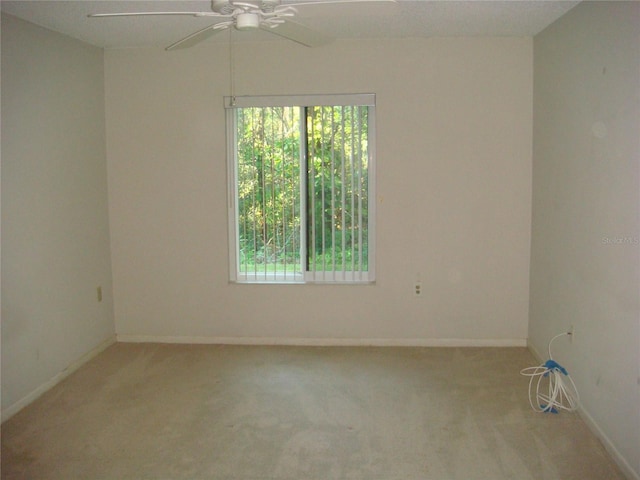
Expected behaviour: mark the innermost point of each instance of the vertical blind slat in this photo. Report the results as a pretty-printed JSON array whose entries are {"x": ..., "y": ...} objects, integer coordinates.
[
  {"x": 353, "y": 200},
  {"x": 335, "y": 136},
  {"x": 357, "y": 149}
]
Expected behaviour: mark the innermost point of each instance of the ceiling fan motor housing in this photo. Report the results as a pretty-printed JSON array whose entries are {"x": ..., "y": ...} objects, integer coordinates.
[{"x": 227, "y": 7}]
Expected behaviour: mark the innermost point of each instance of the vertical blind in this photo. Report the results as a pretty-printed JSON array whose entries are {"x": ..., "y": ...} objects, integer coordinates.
[
  {"x": 337, "y": 193},
  {"x": 268, "y": 193},
  {"x": 301, "y": 177}
]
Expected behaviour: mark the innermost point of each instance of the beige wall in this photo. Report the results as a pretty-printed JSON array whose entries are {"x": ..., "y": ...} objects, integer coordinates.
[
  {"x": 454, "y": 119},
  {"x": 585, "y": 264},
  {"x": 55, "y": 231}
]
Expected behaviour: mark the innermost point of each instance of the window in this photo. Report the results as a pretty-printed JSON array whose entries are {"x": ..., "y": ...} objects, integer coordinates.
[{"x": 301, "y": 175}]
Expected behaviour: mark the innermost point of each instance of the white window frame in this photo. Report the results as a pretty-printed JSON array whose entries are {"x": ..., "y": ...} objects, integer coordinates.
[{"x": 339, "y": 277}]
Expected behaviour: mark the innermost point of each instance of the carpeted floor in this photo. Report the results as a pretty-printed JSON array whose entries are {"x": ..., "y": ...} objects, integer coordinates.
[{"x": 147, "y": 411}]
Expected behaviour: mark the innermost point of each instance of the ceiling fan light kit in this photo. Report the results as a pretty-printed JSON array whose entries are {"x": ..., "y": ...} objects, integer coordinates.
[{"x": 247, "y": 21}]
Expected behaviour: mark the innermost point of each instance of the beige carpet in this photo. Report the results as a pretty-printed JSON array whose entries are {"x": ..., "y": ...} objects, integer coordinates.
[{"x": 292, "y": 413}]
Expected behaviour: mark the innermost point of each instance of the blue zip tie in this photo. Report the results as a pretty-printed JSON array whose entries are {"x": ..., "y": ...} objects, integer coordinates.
[{"x": 553, "y": 365}]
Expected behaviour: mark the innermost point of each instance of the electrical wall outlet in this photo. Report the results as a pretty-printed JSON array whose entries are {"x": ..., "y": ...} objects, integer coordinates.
[{"x": 417, "y": 289}]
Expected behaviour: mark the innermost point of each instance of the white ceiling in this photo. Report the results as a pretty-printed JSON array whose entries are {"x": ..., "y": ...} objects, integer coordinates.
[{"x": 403, "y": 18}]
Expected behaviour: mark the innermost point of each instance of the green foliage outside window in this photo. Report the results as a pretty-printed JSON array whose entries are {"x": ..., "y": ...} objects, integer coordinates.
[{"x": 272, "y": 143}]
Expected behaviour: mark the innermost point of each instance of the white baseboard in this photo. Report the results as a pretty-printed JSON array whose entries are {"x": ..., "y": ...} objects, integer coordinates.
[
  {"x": 329, "y": 342},
  {"x": 48, "y": 385},
  {"x": 598, "y": 432},
  {"x": 610, "y": 447}
]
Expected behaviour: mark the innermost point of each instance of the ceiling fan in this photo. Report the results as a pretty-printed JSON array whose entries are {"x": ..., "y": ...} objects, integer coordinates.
[{"x": 269, "y": 15}]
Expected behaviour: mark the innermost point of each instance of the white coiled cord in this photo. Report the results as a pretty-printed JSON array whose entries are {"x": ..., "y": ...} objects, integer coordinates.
[{"x": 554, "y": 389}]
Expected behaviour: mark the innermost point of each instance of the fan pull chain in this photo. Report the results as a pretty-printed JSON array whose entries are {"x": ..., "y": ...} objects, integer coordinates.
[{"x": 232, "y": 93}]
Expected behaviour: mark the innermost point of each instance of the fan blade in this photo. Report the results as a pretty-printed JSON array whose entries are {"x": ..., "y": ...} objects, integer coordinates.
[
  {"x": 299, "y": 33},
  {"x": 196, "y": 37},
  {"x": 140, "y": 14}
]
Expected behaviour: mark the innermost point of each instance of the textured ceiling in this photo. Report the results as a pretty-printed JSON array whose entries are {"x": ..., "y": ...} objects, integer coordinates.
[{"x": 380, "y": 19}]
